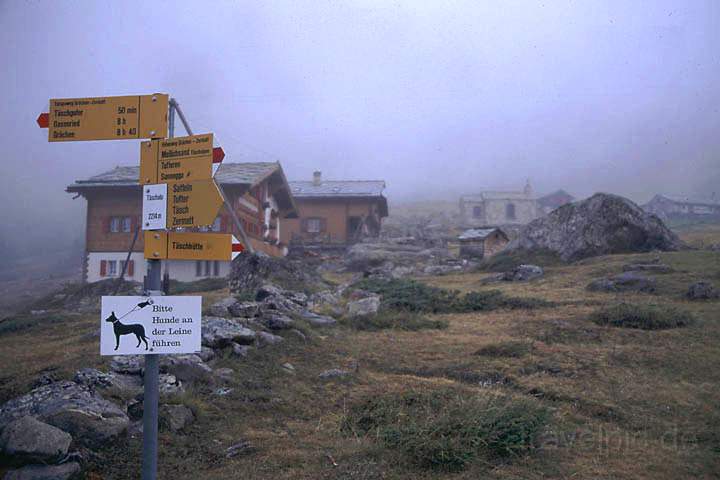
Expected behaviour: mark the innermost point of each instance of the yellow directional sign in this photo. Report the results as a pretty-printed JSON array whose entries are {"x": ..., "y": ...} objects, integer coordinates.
[
  {"x": 178, "y": 159},
  {"x": 192, "y": 204},
  {"x": 191, "y": 246},
  {"x": 108, "y": 118}
]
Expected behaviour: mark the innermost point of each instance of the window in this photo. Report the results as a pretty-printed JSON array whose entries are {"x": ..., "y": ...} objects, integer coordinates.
[
  {"x": 216, "y": 268},
  {"x": 198, "y": 268},
  {"x": 120, "y": 224},
  {"x": 510, "y": 211},
  {"x": 477, "y": 212},
  {"x": 208, "y": 263},
  {"x": 314, "y": 225},
  {"x": 112, "y": 268}
]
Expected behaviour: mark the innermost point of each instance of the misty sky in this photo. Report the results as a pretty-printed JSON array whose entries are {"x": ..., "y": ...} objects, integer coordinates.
[{"x": 436, "y": 98}]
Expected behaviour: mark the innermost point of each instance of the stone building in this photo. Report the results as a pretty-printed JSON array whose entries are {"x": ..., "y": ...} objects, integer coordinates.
[
  {"x": 335, "y": 213},
  {"x": 482, "y": 242},
  {"x": 683, "y": 207},
  {"x": 492, "y": 208},
  {"x": 258, "y": 192}
]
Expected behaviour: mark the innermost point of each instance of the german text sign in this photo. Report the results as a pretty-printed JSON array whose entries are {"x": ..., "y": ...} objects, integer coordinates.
[
  {"x": 154, "y": 206},
  {"x": 193, "y": 204},
  {"x": 192, "y": 246},
  {"x": 178, "y": 159},
  {"x": 143, "y": 325},
  {"x": 108, "y": 118}
]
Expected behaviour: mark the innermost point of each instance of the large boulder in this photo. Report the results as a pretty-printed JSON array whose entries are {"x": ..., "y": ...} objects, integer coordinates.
[
  {"x": 248, "y": 272},
  {"x": 71, "y": 407},
  {"x": 702, "y": 291},
  {"x": 602, "y": 224},
  {"x": 29, "y": 440},
  {"x": 624, "y": 282},
  {"x": 65, "y": 471},
  {"x": 119, "y": 385},
  {"x": 187, "y": 368},
  {"x": 219, "y": 332},
  {"x": 364, "y": 306}
]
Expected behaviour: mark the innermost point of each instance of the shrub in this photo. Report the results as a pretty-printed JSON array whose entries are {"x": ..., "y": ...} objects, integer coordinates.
[
  {"x": 643, "y": 316},
  {"x": 413, "y": 296},
  {"x": 447, "y": 430},
  {"x": 26, "y": 322},
  {"x": 398, "y": 320},
  {"x": 511, "y": 349}
]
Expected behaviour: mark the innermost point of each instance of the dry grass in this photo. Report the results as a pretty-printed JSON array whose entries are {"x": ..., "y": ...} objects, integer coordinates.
[{"x": 626, "y": 404}]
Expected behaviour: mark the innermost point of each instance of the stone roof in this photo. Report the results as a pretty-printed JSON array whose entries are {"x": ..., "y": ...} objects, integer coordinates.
[
  {"x": 227, "y": 174},
  {"x": 338, "y": 188},
  {"x": 696, "y": 200},
  {"x": 479, "y": 233},
  {"x": 491, "y": 195}
]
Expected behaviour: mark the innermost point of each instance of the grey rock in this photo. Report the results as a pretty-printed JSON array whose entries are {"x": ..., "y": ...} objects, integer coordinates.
[
  {"x": 170, "y": 385},
  {"x": 118, "y": 384},
  {"x": 206, "y": 354},
  {"x": 365, "y": 306},
  {"x": 702, "y": 291},
  {"x": 241, "y": 351},
  {"x": 225, "y": 374},
  {"x": 239, "y": 449},
  {"x": 244, "y": 309},
  {"x": 187, "y": 368},
  {"x": 647, "y": 267},
  {"x": 65, "y": 471},
  {"x": 323, "y": 299},
  {"x": 523, "y": 273},
  {"x": 264, "y": 339},
  {"x": 367, "y": 256},
  {"x": 317, "y": 320},
  {"x": 288, "y": 367},
  {"x": 30, "y": 440},
  {"x": 300, "y": 335},
  {"x": 280, "y": 303},
  {"x": 219, "y": 332},
  {"x": 222, "y": 307},
  {"x": 334, "y": 373},
  {"x": 248, "y": 273},
  {"x": 129, "y": 364},
  {"x": 276, "y": 321},
  {"x": 600, "y": 225},
  {"x": 175, "y": 417},
  {"x": 71, "y": 407},
  {"x": 268, "y": 290},
  {"x": 624, "y": 282}
]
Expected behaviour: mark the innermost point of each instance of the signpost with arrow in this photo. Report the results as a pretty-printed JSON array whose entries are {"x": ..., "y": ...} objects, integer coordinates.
[{"x": 178, "y": 191}]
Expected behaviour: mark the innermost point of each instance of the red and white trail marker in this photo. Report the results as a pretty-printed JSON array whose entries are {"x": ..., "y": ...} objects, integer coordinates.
[
  {"x": 237, "y": 247},
  {"x": 43, "y": 120}
]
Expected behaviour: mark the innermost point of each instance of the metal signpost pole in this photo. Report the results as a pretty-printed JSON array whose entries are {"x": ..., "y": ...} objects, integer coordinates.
[
  {"x": 174, "y": 106},
  {"x": 152, "y": 370}
]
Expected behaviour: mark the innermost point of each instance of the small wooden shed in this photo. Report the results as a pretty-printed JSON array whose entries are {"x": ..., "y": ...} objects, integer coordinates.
[{"x": 482, "y": 242}]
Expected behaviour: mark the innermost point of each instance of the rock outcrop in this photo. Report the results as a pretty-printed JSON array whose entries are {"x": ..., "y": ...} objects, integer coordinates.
[
  {"x": 249, "y": 272},
  {"x": 602, "y": 224},
  {"x": 32, "y": 441},
  {"x": 76, "y": 409}
]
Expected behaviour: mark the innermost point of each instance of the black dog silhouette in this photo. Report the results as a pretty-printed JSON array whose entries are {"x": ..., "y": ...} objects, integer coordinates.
[{"x": 122, "y": 329}]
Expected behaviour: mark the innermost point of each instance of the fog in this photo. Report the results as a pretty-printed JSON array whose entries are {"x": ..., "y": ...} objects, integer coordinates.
[{"x": 435, "y": 98}]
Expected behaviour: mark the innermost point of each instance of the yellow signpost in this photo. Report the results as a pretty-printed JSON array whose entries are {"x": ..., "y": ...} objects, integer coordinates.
[
  {"x": 191, "y": 246},
  {"x": 178, "y": 159},
  {"x": 108, "y": 118},
  {"x": 192, "y": 204}
]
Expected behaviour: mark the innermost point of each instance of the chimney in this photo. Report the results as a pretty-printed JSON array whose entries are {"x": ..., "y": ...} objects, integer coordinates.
[{"x": 317, "y": 178}]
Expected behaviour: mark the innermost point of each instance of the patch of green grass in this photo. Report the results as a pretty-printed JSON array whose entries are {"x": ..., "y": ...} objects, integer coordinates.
[
  {"x": 204, "y": 285},
  {"x": 643, "y": 316},
  {"x": 510, "y": 349},
  {"x": 412, "y": 296},
  {"x": 26, "y": 322},
  {"x": 397, "y": 320},
  {"x": 446, "y": 429}
]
